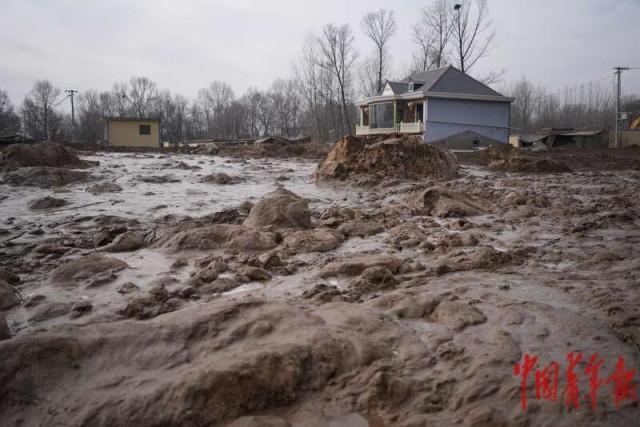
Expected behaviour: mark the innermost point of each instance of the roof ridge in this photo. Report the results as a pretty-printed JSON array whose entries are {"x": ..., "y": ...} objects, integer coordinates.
[{"x": 437, "y": 79}]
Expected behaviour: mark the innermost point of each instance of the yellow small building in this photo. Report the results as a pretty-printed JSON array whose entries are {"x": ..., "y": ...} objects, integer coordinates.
[{"x": 129, "y": 132}]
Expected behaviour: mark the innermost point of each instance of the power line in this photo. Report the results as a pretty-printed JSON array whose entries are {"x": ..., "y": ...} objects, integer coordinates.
[
  {"x": 61, "y": 101},
  {"x": 549, "y": 95}
]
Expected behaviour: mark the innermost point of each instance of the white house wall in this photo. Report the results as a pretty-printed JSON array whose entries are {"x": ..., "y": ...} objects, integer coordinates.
[{"x": 448, "y": 117}]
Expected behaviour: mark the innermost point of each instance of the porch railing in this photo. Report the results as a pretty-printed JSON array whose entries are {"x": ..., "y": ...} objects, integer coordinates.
[
  {"x": 366, "y": 130},
  {"x": 417, "y": 127}
]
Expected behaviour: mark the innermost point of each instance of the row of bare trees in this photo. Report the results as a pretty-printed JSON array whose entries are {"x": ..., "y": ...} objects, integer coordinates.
[
  {"x": 317, "y": 99},
  {"x": 589, "y": 105}
]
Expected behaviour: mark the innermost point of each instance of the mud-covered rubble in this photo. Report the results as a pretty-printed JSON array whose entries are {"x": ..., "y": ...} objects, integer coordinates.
[
  {"x": 407, "y": 304},
  {"x": 363, "y": 161},
  {"x": 221, "y": 179},
  {"x": 270, "y": 147}
]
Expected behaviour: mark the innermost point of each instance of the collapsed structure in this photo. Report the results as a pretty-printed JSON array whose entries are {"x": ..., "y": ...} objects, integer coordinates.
[{"x": 547, "y": 138}]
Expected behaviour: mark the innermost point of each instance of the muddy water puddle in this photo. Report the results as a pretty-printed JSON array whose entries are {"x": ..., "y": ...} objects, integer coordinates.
[
  {"x": 183, "y": 194},
  {"x": 180, "y": 192}
]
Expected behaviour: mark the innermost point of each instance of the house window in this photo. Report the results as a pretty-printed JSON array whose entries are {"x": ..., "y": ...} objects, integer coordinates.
[
  {"x": 381, "y": 116},
  {"x": 411, "y": 87},
  {"x": 145, "y": 129}
]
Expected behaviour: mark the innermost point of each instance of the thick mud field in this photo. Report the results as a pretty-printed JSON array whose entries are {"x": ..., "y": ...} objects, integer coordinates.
[{"x": 195, "y": 290}]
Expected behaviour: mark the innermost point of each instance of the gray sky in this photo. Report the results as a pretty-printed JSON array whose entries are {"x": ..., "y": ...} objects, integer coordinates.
[{"x": 184, "y": 45}]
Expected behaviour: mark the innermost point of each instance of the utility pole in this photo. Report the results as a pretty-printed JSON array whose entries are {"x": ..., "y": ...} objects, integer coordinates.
[
  {"x": 619, "y": 71},
  {"x": 71, "y": 93}
]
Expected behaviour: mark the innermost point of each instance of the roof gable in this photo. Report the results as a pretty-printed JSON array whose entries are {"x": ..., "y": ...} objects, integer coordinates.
[
  {"x": 395, "y": 88},
  {"x": 450, "y": 80},
  {"x": 425, "y": 78},
  {"x": 455, "y": 81}
]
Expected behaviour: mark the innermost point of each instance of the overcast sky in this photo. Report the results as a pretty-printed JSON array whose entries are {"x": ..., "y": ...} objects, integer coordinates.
[{"x": 184, "y": 45}]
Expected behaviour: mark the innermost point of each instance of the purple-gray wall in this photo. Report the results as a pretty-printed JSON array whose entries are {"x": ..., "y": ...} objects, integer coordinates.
[{"x": 448, "y": 117}]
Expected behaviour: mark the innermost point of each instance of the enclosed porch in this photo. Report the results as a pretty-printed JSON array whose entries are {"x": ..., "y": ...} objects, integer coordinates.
[{"x": 391, "y": 117}]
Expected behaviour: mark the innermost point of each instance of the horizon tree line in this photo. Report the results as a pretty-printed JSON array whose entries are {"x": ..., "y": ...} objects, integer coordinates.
[{"x": 318, "y": 99}]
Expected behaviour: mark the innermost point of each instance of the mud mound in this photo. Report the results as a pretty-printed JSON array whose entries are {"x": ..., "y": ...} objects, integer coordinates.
[
  {"x": 44, "y": 177},
  {"x": 8, "y": 296},
  {"x": 401, "y": 157},
  {"x": 46, "y": 203},
  {"x": 270, "y": 147},
  {"x": 483, "y": 258},
  {"x": 198, "y": 368},
  {"x": 407, "y": 235},
  {"x": 320, "y": 240},
  {"x": 42, "y": 154},
  {"x": 508, "y": 159},
  {"x": 438, "y": 201},
  {"x": 105, "y": 187},
  {"x": 356, "y": 265},
  {"x": 85, "y": 268},
  {"x": 280, "y": 209},
  {"x": 125, "y": 242},
  {"x": 217, "y": 236},
  {"x": 221, "y": 179}
]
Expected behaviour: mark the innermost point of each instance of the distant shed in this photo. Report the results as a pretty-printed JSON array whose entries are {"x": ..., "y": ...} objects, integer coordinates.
[{"x": 131, "y": 132}]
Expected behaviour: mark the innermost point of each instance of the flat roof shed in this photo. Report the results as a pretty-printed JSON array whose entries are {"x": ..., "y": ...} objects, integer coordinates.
[{"x": 132, "y": 132}]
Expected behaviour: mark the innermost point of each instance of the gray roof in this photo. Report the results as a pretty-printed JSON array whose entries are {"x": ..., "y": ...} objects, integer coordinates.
[
  {"x": 399, "y": 87},
  {"x": 426, "y": 77},
  {"x": 444, "y": 80}
]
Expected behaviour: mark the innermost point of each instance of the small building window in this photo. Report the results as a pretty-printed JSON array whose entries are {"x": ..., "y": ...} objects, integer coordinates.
[
  {"x": 411, "y": 88},
  {"x": 145, "y": 130}
]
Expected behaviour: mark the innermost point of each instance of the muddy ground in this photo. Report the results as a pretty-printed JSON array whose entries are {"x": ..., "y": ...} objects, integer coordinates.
[{"x": 195, "y": 290}]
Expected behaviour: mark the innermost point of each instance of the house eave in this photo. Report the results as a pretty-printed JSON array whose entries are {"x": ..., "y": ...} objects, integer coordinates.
[
  {"x": 440, "y": 95},
  {"x": 404, "y": 96},
  {"x": 468, "y": 97}
]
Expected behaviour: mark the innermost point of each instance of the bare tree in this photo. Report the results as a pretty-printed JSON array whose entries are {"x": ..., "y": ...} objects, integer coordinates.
[
  {"x": 472, "y": 32},
  {"x": 286, "y": 103},
  {"x": 9, "y": 120},
  {"x": 424, "y": 39},
  {"x": 91, "y": 112},
  {"x": 380, "y": 27},
  {"x": 338, "y": 56},
  {"x": 433, "y": 34},
  {"x": 525, "y": 103},
  {"x": 307, "y": 72},
  {"x": 119, "y": 102},
  {"x": 368, "y": 74},
  {"x": 493, "y": 77},
  {"x": 214, "y": 100},
  {"x": 39, "y": 108},
  {"x": 142, "y": 93}
]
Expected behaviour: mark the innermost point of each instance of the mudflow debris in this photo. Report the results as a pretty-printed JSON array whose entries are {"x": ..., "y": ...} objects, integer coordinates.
[
  {"x": 403, "y": 156},
  {"x": 393, "y": 284}
]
